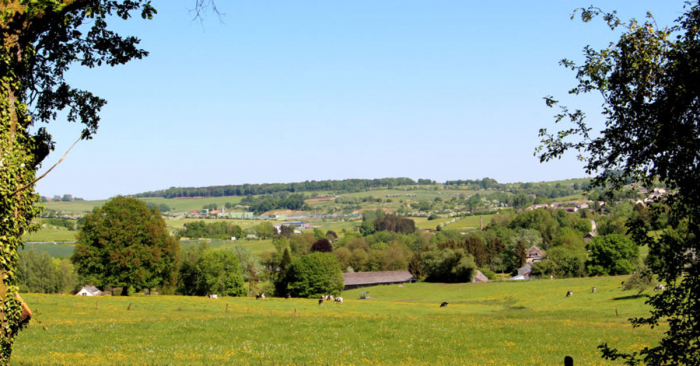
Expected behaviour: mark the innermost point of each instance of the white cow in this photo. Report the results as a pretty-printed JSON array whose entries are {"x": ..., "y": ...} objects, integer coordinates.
[{"x": 339, "y": 299}]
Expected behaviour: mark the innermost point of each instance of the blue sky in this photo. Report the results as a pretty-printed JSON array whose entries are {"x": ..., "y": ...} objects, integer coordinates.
[{"x": 313, "y": 90}]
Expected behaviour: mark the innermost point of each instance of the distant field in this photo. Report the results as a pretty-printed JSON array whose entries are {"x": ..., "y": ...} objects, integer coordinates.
[
  {"x": 75, "y": 206},
  {"x": 465, "y": 223},
  {"x": 54, "y": 250},
  {"x": 190, "y": 204},
  {"x": 503, "y": 323},
  {"x": 470, "y": 222},
  {"x": 424, "y": 223},
  {"x": 51, "y": 234},
  {"x": 180, "y": 224},
  {"x": 256, "y": 247}
]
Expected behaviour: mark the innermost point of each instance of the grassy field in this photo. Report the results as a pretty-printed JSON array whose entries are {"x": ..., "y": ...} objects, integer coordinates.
[
  {"x": 256, "y": 247},
  {"x": 464, "y": 224},
  {"x": 57, "y": 234},
  {"x": 54, "y": 250},
  {"x": 502, "y": 323},
  {"x": 469, "y": 223}
]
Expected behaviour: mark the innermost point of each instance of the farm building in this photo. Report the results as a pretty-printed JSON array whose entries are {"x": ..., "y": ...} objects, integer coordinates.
[
  {"x": 534, "y": 254},
  {"x": 361, "y": 279},
  {"x": 523, "y": 273},
  {"x": 297, "y": 224},
  {"x": 89, "y": 290}
]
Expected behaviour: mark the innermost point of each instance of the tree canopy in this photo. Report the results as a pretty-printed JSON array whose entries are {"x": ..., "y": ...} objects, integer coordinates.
[
  {"x": 313, "y": 275},
  {"x": 124, "y": 244},
  {"x": 41, "y": 40},
  {"x": 648, "y": 81}
]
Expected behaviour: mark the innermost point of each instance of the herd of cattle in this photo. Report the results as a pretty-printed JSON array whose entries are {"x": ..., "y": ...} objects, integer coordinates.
[
  {"x": 658, "y": 287},
  {"x": 261, "y": 296},
  {"x": 330, "y": 298}
]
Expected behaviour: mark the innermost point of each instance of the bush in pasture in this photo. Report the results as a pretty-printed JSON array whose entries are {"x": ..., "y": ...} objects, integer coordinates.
[
  {"x": 448, "y": 265},
  {"x": 312, "y": 275},
  {"x": 219, "y": 273},
  {"x": 612, "y": 255},
  {"x": 126, "y": 244},
  {"x": 488, "y": 273},
  {"x": 38, "y": 272},
  {"x": 205, "y": 271}
]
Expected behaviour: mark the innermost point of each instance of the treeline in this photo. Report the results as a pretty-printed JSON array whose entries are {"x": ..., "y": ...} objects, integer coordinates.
[
  {"x": 340, "y": 186},
  {"x": 38, "y": 272},
  {"x": 215, "y": 230},
  {"x": 276, "y": 201}
]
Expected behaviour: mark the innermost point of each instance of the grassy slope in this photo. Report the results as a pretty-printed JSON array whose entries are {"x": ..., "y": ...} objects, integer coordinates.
[{"x": 523, "y": 323}]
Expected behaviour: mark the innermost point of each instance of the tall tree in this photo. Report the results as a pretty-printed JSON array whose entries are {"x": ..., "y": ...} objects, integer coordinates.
[
  {"x": 40, "y": 41},
  {"x": 313, "y": 275},
  {"x": 124, "y": 244},
  {"x": 648, "y": 81}
]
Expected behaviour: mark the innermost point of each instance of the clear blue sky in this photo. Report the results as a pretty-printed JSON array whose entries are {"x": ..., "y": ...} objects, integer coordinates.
[{"x": 313, "y": 90}]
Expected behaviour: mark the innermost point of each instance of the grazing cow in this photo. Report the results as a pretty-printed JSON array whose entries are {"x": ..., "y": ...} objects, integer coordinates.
[
  {"x": 320, "y": 301},
  {"x": 593, "y": 290},
  {"x": 331, "y": 298},
  {"x": 212, "y": 296},
  {"x": 569, "y": 293},
  {"x": 339, "y": 299},
  {"x": 659, "y": 287},
  {"x": 260, "y": 296},
  {"x": 444, "y": 305}
]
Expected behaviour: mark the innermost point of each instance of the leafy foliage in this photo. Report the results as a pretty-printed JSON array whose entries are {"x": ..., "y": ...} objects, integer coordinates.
[
  {"x": 612, "y": 255},
  {"x": 40, "y": 41},
  {"x": 396, "y": 224},
  {"x": 124, "y": 244},
  {"x": 38, "y": 272},
  {"x": 347, "y": 185},
  {"x": 214, "y": 230},
  {"x": 446, "y": 265},
  {"x": 648, "y": 81},
  {"x": 322, "y": 245},
  {"x": 313, "y": 275}
]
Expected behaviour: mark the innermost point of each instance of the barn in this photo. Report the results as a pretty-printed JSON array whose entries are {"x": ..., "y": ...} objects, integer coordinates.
[{"x": 362, "y": 279}]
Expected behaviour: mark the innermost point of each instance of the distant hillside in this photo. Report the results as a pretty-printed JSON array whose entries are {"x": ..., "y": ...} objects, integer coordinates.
[
  {"x": 339, "y": 186},
  {"x": 545, "y": 189}
]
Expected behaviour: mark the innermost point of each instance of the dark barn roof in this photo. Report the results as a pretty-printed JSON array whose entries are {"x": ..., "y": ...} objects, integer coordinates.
[{"x": 359, "y": 279}]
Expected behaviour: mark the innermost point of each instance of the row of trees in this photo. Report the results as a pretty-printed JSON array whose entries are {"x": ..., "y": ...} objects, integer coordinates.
[
  {"x": 39, "y": 272},
  {"x": 280, "y": 200},
  {"x": 214, "y": 230},
  {"x": 340, "y": 186}
]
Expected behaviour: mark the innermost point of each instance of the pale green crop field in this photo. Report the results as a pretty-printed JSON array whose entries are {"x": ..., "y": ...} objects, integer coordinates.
[
  {"x": 469, "y": 223},
  {"x": 75, "y": 206},
  {"x": 424, "y": 223},
  {"x": 46, "y": 234},
  {"x": 256, "y": 247},
  {"x": 503, "y": 323},
  {"x": 54, "y": 250}
]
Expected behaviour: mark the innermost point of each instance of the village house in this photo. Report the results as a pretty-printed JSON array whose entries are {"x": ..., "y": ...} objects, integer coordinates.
[
  {"x": 534, "y": 254},
  {"x": 89, "y": 290}
]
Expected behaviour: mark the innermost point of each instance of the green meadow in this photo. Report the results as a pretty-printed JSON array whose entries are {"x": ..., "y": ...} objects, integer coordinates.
[{"x": 500, "y": 323}]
